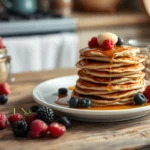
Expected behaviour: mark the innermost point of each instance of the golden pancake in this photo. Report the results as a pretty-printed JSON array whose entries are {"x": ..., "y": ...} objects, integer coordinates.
[
  {"x": 107, "y": 74},
  {"x": 106, "y": 80},
  {"x": 119, "y": 51},
  {"x": 98, "y": 101},
  {"x": 123, "y": 60},
  {"x": 92, "y": 88}
]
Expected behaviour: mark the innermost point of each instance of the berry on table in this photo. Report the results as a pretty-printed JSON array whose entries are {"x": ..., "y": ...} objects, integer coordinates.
[
  {"x": 1, "y": 43},
  {"x": 73, "y": 102},
  {"x": 108, "y": 45},
  {"x": 147, "y": 92},
  {"x": 93, "y": 42},
  {"x": 65, "y": 121},
  {"x": 3, "y": 121},
  {"x": 3, "y": 99},
  {"x": 62, "y": 91},
  {"x": 38, "y": 128},
  {"x": 56, "y": 129},
  {"x": 29, "y": 116},
  {"x": 34, "y": 108},
  {"x": 4, "y": 89},
  {"x": 139, "y": 99},
  {"x": 20, "y": 128},
  {"x": 85, "y": 102},
  {"x": 120, "y": 41},
  {"x": 14, "y": 118},
  {"x": 45, "y": 114}
]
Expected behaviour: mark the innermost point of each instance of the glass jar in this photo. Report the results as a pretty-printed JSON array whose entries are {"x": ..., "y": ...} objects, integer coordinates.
[{"x": 4, "y": 68}]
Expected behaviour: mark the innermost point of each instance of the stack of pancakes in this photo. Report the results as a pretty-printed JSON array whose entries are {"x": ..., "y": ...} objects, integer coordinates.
[{"x": 120, "y": 69}]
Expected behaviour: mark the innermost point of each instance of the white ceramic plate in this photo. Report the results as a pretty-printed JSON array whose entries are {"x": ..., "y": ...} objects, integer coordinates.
[{"x": 46, "y": 94}]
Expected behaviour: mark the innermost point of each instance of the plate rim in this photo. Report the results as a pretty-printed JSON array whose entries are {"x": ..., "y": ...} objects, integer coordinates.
[{"x": 130, "y": 110}]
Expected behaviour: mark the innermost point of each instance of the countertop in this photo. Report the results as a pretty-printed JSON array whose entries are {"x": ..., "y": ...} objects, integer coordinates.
[
  {"x": 124, "y": 135},
  {"x": 92, "y": 20}
]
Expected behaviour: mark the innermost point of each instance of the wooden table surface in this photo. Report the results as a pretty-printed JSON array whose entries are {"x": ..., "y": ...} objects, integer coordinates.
[{"x": 125, "y": 135}]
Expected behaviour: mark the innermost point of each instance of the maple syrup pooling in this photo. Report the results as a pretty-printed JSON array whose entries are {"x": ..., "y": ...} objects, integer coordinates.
[{"x": 110, "y": 54}]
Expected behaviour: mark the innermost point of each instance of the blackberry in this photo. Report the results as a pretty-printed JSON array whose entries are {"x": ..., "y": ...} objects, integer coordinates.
[
  {"x": 45, "y": 114},
  {"x": 20, "y": 128},
  {"x": 34, "y": 108}
]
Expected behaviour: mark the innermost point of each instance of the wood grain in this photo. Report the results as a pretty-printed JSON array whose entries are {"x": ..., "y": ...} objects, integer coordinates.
[{"x": 125, "y": 135}]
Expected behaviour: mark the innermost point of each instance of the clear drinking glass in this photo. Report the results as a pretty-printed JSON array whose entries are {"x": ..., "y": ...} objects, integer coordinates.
[{"x": 144, "y": 45}]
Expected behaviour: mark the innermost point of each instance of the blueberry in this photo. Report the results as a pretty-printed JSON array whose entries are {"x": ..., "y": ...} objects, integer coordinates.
[
  {"x": 3, "y": 99},
  {"x": 139, "y": 99},
  {"x": 62, "y": 91},
  {"x": 34, "y": 108},
  {"x": 85, "y": 102},
  {"x": 120, "y": 41},
  {"x": 73, "y": 102},
  {"x": 65, "y": 121}
]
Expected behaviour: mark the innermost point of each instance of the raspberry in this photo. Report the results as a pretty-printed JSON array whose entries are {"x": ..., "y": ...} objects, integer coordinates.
[
  {"x": 93, "y": 42},
  {"x": 56, "y": 129},
  {"x": 46, "y": 114},
  {"x": 38, "y": 128},
  {"x": 108, "y": 45},
  {"x": 4, "y": 89},
  {"x": 20, "y": 128},
  {"x": 3, "y": 121},
  {"x": 30, "y": 118},
  {"x": 14, "y": 118},
  {"x": 147, "y": 92},
  {"x": 1, "y": 43}
]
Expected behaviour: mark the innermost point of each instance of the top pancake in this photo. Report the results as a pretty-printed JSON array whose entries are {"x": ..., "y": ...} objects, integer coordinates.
[{"x": 124, "y": 51}]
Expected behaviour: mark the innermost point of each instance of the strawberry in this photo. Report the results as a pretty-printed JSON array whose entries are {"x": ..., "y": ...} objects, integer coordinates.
[
  {"x": 30, "y": 118},
  {"x": 4, "y": 89},
  {"x": 147, "y": 92},
  {"x": 1, "y": 43},
  {"x": 38, "y": 128},
  {"x": 108, "y": 45},
  {"x": 93, "y": 42},
  {"x": 14, "y": 118},
  {"x": 57, "y": 129},
  {"x": 3, "y": 121}
]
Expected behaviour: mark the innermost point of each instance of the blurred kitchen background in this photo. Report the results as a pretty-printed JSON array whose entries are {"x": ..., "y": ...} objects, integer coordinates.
[{"x": 47, "y": 34}]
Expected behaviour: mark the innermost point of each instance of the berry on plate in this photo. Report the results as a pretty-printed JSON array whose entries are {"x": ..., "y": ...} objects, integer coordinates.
[
  {"x": 120, "y": 41},
  {"x": 93, "y": 42},
  {"x": 85, "y": 102},
  {"x": 34, "y": 108},
  {"x": 108, "y": 45},
  {"x": 3, "y": 99},
  {"x": 62, "y": 91},
  {"x": 56, "y": 129},
  {"x": 73, "y": 102},
  {"x": 147, "y": 92},
  {"x": 38, "y": 128},
  {"x": 65, "y": 121},
  {"x": 4, "y": 89},
  {"x": 1, "y": 43},
  {"x": 139, "y": 99},
  {"x": 3, "y": 121},
  {"x": 20, "y": 128},
  {"x": 45, "y": 114}
]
